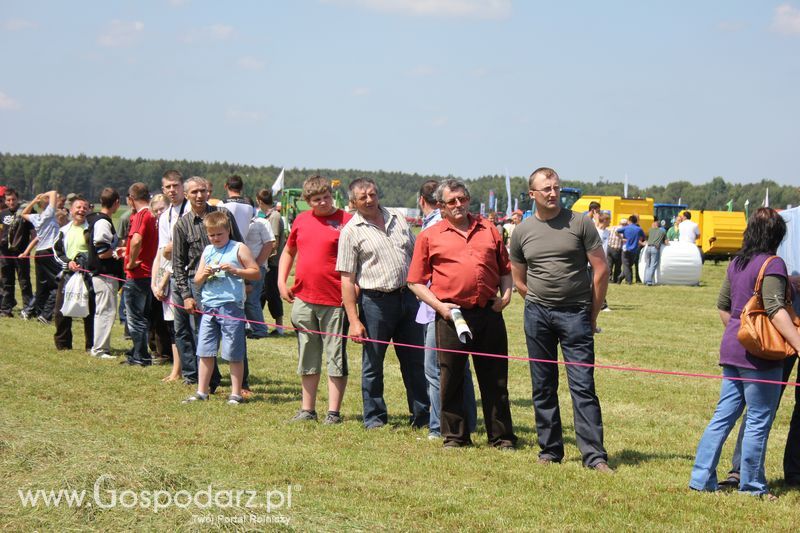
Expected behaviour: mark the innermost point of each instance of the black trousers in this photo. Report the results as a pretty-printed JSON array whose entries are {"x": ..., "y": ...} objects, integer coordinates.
[
  {"x": 488, "y": 336},
  {"x": 615, "y": 264},
  {"x": 10, "y": 270},
  {"x": 63, "y": 334},
  {"x": 791, "y": 455},
  {"x": 270, "y": 294},
  {"x": 47, "y": 270}
]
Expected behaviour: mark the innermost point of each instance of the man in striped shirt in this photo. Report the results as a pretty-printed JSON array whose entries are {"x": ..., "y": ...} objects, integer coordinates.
[{"x": 375, "y": 250}]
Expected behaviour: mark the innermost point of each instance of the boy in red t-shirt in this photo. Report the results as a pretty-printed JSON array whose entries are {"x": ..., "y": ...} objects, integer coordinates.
[{"x": 317, "y": 297}]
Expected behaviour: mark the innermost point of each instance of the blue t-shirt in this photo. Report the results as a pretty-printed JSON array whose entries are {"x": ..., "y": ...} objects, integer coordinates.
[
  {"x": 632, "y": 233},
  {"x": 223, "y": 287}
]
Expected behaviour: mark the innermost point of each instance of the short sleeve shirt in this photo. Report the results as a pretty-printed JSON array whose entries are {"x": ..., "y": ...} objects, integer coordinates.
[
  {"x": 143, "y": 223},
  {"x": 316, "y": 240},
  {"x": 555, "y": 254}
]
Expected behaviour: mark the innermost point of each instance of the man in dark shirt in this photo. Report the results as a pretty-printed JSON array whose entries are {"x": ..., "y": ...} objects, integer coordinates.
[
  {"x": 189, "y": 239},
  {"x": 15, "y": 236}
]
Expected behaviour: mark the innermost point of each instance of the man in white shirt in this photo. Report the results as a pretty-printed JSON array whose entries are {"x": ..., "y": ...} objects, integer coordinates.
[
  {"x": 239, "y": 206},
  {"x": 688, "y": 230}
]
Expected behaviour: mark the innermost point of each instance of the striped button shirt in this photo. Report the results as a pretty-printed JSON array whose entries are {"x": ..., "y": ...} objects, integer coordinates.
[{"x": 379, "y": 259}]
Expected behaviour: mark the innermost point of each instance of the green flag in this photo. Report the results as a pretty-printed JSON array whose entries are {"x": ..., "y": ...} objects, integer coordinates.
[{"x": 730, "y": 205}]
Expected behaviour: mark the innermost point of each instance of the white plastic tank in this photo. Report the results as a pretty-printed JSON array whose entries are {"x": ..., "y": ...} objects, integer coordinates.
[{"x": 681, "y": 264}]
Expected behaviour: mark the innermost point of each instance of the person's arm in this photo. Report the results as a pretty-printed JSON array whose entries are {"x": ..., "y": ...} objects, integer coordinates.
[
  {"x": 783, "y": 323},
  {"x": 27, "y": 251},
  {"x": 506, "y": 282},
  {"x": 423, "y": 292},
  {"x": 519, "y": 273},
  {"x": 250, "y": 271},
  {"x": 724, "y": 301},
  {"x": 266, "y": 251},
  {"x": 357, "y": 331},
  {"x": 154, "y": 282},
  {"x": 284, "y": 267},
  {"x": 599, "y": 264},
  {"x": 135, "y": 249},
  {"x": 203, "y": 273}
]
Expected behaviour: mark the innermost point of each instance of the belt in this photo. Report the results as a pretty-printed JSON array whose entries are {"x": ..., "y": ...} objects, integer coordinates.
[{"x": 373, "y": 293}]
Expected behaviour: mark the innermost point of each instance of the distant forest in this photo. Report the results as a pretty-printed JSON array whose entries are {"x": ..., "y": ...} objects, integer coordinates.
[{"x": 88, "y": 175}]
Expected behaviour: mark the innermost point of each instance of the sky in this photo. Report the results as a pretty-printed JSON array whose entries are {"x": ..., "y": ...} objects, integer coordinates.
[{"x": 658, "y": 90}]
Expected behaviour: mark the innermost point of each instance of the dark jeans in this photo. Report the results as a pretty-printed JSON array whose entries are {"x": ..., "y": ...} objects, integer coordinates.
[
  {"x": 63, "y": 334},
  {"x": 186, "y": 327},
  {"x": 545, "y": 328},
  {"x": 138, "y": 306},
  {"x": 630, "y": 261},
  {"x": 791, "y": 454},
  {"x": 392, "y": 316},
  {"x": 488, "y": 336},
  {"x": 160, "y": 336},
  {"x": 615, "y": 264},
  {"x": 47, "y": 270},
  {"x": 270, "y": 294},
  {"x": 11, "y": 269}
]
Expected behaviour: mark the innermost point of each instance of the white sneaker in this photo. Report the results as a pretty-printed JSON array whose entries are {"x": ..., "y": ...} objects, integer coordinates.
[{"x": 108, "y": 356}]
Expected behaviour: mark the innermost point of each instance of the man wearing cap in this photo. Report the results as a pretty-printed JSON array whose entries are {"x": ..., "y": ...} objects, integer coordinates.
[
  {"x": 466, "y": 263},
  {"x": 550, "y": 254},
  {"x": 375, "y": 248}
]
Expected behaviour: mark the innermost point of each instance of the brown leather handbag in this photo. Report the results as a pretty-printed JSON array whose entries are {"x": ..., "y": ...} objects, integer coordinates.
[{"x": 756, "y": 332}]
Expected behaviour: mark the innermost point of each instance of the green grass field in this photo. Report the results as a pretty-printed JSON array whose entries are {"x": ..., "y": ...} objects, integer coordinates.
[{"x": 67, "y": 419}]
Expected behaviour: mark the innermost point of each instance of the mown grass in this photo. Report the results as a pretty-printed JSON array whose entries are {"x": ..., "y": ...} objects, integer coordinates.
[{"x": 66, "y": 419}]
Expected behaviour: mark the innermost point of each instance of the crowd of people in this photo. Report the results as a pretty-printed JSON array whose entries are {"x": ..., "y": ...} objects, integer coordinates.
[{"x": 196, "y": 273}]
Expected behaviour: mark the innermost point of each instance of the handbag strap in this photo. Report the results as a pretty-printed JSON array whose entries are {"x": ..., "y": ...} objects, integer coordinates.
[{"x": 760, "y": 281}]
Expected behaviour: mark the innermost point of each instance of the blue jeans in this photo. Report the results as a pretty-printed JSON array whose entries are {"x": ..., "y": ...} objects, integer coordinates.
[
  {"x": 392, "y": 316},
  {"x": 137, "y": 311},
  {"x": 545, "y": 328},
  {"x": 651, "y": 258},
  {"x": 253, "y": 309},
  {"x": 761, "y": 400},
  {"x": 186, "y": 328},
  {"x": 432, "y": 377}
]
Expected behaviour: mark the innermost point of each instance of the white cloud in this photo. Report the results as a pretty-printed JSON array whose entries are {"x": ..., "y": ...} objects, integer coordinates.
[
  {"x": 361, "y": 91},
  {"x": 240, "y": 116},
  {"x": 786, "y": 20},
  {"x": 221, "y": 31},
  {"x": 18, "y": 25},
  {"x": 479, "y": 9},
  {"x": 439, "y": 122},
  {"x": 422, "y": 71},
  {"x": 120, "y": 33},
  {"x": 7, "y": 103},
  {"x": 250, "y": 63}
]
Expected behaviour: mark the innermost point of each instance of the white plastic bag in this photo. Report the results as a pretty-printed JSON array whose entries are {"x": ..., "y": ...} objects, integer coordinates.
[{"x": 76, "y": 297}]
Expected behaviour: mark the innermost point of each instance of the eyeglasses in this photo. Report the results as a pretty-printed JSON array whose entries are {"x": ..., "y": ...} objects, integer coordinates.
[
  {"x": 547, "y": 190},
  {"x": 461, "y": 200}
]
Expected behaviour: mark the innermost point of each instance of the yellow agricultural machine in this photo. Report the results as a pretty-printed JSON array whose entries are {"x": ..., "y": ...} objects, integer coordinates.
[{"x": 620, "y": 208}]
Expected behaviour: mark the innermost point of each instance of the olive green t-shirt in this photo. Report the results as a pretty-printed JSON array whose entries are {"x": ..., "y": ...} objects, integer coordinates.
[{"x": 555, "y": 253}]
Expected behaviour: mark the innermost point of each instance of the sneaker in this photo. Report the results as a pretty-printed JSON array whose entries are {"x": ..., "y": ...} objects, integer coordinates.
[
  {"x": 196, "y": 397},
  {"x": 234, "y": 399},
  {"x": 304, "y": 416},
  {"x": 25, "y": 315},
  {"x": 434, "y": 436},
  {"x": 277, "y": 332},
  {"x": 92, "y": 353},
  {"x": 42, "y": 320},
  {"x": 333, "y": 418},
  {"x": 108, "y": 356}
]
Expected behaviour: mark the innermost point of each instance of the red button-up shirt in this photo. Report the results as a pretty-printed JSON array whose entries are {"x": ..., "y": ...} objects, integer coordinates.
[{"x": 462, "y": 270}]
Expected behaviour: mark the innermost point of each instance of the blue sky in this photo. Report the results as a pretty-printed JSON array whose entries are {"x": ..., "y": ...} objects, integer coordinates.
[{"x": 660, "y": 90}]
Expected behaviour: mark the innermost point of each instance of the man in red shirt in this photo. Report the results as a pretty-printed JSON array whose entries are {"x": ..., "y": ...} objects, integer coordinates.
[
  {"x": 464, "y": 259},
  {"x": 140, "y": 250},
  {"x": 317, "y": 297}
]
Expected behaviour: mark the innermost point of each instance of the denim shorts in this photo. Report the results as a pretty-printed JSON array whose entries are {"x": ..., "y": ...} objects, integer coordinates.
[{"x": 229, "y": 332}]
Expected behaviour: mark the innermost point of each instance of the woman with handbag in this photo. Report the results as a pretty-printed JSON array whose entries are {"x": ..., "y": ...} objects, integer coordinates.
[{"x": 745, "y": 370}]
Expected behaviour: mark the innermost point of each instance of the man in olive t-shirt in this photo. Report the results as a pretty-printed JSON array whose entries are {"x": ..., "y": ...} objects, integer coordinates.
[{"x": 550, "y": 253}]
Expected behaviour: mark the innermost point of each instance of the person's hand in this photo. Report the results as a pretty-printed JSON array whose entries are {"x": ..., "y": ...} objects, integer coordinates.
[
  {"x": 357, "y": 332},
  {"x": 229, "y": 268},
  {"x": 190, "y": 305},
  {"x": 167, "y": 252},
  {"x": 133, "y": 265},
  {"x": 444, "y": 309},
  {"x": 24, "y": 255},
  {"x": 74, "y": 266},
  {"x": 499, "y": 304},
  {"x": 287, "y": 295},
  {"x": 159, "y": 294}
]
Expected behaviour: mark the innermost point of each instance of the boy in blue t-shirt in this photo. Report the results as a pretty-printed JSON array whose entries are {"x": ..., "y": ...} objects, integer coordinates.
[{"x": 224, "y": 266}]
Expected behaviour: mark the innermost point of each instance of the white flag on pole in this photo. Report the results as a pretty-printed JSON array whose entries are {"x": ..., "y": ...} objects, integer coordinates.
[
  {"x": 766, "y": 198},
  {"x": 508, "y": 194},
  {"x": 278, "y": 185}
]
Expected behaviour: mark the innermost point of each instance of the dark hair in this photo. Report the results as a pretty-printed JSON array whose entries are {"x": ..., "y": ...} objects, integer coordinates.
[
  {"x": 139, "y": 191},
  {"x": 108, "y": 197},
  {"x": 172, "y": 175},
  {"x": 11, "y": 192},
  {"x": 594, "y": 205},
  {"x": 687, "y": 215},
  {"x": 427, "y": 190},
  {"x": 234, "y": 183},
  {"x": 765, "y": 231},
  {"x": 264, "y": 196},
  {"x": 633, "y": 219}
]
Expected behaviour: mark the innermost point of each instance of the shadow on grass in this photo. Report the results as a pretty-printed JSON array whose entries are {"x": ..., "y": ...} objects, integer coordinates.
[{"x": 634, "y": 457}]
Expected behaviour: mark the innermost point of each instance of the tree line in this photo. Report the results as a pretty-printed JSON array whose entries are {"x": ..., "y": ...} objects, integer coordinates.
[{"x": 88, "y": 175}]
